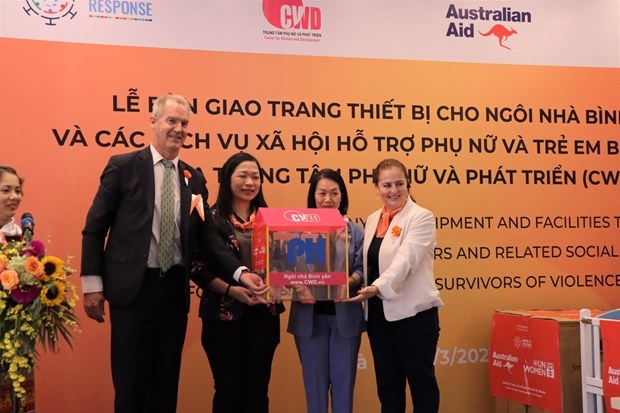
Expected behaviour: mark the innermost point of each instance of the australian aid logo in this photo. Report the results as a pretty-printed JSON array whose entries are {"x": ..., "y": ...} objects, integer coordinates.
[
  {"x": 499, "y": 24},
  {"x": 292, "y": 20}
]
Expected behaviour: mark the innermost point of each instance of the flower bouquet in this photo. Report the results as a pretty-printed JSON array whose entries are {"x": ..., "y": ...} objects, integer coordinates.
[{"x": 36, "y": 306}]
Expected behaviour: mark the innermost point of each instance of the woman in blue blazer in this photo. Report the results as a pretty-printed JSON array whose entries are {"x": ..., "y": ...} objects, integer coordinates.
[
  {"x": 328, "y": 333},
  {"x": 402, "y": 316}
]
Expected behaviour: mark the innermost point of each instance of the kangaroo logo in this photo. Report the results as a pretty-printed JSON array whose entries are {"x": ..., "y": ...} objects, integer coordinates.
[{"x": 501, "y": 32}]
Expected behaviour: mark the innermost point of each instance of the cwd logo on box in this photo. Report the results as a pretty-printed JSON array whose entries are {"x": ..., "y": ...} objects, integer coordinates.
[{"x": 296, "y": 216}]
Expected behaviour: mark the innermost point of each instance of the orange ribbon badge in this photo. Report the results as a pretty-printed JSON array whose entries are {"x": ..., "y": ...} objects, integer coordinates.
[
  {"x": 198, "y": 205},
  {"x": 186, "y": 174}
]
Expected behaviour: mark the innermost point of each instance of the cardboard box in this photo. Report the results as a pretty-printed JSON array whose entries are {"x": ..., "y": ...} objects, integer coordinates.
[
  {"x": 510, "y": 406},
  {"x": 535, "y": 361},
  {"x": 609, "y": 374}
]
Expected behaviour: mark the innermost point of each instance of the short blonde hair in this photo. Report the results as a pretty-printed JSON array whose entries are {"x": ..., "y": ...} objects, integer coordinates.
[{"x": 160, "y": 103}]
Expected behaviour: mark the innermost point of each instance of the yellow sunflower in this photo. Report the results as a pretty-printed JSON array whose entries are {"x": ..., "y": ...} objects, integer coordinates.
[
  {"x": 53, "y": 267},
  {"x": 53, "y": 294}
]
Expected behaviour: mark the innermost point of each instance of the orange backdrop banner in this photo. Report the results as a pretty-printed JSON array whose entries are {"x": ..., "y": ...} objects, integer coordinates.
[{"x": 518, "y": 163}]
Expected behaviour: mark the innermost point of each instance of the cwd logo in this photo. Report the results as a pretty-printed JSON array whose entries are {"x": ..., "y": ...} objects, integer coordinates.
[
  {"x": 292, "y": 14},
  {"x": 50, "y": 10},
  {"x": 297, "y": 216}
]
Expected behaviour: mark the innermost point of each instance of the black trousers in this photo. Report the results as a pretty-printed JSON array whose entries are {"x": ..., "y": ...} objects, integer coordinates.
[
  {"x": 240, "y": 354},
  {"x": 147, "y": 342},
  {"x": 404, "y": 351}
]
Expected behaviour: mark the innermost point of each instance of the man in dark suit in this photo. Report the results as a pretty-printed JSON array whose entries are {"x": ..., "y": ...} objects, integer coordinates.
[{"x": 149, "y": 300}]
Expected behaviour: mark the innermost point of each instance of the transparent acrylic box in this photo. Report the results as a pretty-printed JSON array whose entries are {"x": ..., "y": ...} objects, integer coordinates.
[{"x": 301, "y": 253}]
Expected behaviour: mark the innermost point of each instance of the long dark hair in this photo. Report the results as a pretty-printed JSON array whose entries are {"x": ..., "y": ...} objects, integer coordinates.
[
  {"x": 224, "y": 204},
  {"x": 334, "y": 176}
]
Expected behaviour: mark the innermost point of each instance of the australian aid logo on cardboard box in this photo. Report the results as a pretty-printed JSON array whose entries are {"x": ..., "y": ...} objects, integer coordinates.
[{"x": 301, "y": 253}]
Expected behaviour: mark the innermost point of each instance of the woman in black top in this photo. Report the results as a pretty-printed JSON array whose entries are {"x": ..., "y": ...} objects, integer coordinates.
[{"x": 239, "y": 333}]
